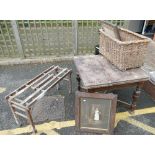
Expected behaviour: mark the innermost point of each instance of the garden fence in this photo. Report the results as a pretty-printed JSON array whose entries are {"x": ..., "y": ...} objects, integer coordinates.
[{"x": 39, "y": 38}]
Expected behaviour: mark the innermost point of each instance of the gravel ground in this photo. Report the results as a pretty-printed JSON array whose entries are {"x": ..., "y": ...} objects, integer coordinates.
[
  {"x": 12, "y": 77},
  {"x": 49, "y": 108}
]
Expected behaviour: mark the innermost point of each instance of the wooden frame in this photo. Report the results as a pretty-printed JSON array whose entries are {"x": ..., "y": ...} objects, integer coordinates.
[
  {"x": 111, "y": 97},
  {"x": 135, "y": 95},
  {"x": 36, "y": 88}
]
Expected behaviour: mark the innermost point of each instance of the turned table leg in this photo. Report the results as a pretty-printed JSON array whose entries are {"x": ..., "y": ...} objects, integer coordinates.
[
  {"x": 79, "y": 81},
  {"x": 135, "y": 96}
]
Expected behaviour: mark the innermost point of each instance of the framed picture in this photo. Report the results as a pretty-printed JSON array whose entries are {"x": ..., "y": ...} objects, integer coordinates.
[{"x": 95, "y": 112}]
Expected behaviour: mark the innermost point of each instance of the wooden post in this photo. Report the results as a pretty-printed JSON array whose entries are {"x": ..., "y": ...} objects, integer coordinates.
[
  {"x": 17, "y": 38},
  {"x": 75, "y": 36}
]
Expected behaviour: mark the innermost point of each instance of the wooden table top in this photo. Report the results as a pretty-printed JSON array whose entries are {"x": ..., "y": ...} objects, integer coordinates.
[{"x": 96, "y": 71}]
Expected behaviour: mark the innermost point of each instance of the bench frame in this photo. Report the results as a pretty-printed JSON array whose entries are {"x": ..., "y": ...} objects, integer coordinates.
[{"x": 39, "y": 85}]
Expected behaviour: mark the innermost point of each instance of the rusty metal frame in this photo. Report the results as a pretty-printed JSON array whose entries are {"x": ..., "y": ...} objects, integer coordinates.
[{"x": 39, "y": 86}]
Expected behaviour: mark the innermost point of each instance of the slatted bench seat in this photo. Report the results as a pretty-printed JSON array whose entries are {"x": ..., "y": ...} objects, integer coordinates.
[{"x": 22, "y": 99}]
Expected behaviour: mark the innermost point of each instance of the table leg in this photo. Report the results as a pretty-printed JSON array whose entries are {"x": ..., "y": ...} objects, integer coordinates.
[
  {"x": 79, "y": 81},
  {"x": 135, "y": 96}
]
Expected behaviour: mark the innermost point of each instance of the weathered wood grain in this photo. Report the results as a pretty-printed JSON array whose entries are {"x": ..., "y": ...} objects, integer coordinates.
[{"x": 96, "y": 71}]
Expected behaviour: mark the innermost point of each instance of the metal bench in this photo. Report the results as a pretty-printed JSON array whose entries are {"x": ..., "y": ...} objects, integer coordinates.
[{"x": 22, "y": 99}]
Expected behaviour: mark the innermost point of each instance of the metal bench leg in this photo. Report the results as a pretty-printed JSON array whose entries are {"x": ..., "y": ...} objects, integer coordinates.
[
  {"x": 31, "y": 120},
  {"x": 70, "y": 83},
  {"x": 13, "y": 112}
]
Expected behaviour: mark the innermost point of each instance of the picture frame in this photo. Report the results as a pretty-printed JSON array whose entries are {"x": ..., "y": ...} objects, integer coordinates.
[{"x": 95, "y": 112}]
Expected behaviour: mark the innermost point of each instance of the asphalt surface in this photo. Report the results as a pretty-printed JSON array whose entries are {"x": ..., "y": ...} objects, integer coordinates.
[{"x": 11, "y": 77}]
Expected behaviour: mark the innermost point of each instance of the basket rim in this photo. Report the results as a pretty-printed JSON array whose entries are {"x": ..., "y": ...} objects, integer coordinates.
[
  {"x": 133, "y": 33},
  {"x": 143, "y": 40},
  {"x": 123, "y": 29}
]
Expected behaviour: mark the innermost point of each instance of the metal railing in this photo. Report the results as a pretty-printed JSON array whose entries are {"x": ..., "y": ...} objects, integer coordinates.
[{"x": 33, "y": 38}]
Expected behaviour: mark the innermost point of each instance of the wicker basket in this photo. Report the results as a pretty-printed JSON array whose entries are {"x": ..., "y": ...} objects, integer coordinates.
[{"x": 127, "y": 53}]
